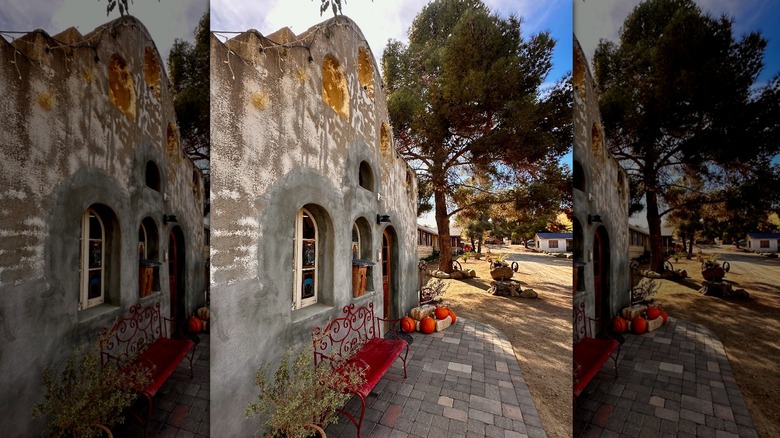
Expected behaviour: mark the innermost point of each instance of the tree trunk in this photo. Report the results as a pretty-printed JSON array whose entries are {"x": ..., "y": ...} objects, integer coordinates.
[
  {"x": 443, "y": 225},
  {"x": 654, "y": 226}
]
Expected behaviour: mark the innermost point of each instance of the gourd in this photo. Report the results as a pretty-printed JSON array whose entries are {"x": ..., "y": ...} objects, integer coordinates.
[
  {"x": 664, "y": 316},
  {"x": 442, "y": 312},
  {"x": 619, "y": 325},
  {"x": 203, "y": 313},
  {"x": 452, "y": 315},
  {"x": 639, "y": 325},
  {"x": 653, "y": 312},
  {"x": 407, "y": 324},
  {"x": 195, "y": 324},
  {"x": 427, "y": 325}
]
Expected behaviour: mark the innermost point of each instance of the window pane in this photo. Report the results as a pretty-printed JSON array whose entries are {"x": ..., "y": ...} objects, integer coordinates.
[
  {"x": 94, "y": 287},
  {"x": 95, "y": 254},
  {"x": 307, "y": 286},
  {"x": 309, "y": 250},
  {"x": 308, "y": 227},
  {"x": 95, "y": 229}
]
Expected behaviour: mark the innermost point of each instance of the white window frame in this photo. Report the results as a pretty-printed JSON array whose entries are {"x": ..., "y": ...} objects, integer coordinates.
[
  {"x": 84, "y": 301},
  {"x": 299, "y": 302},
  {"x": 764, "y": 243},
  {"x": 352, "y": 242},
  {"x": 143, "y": 243},
  {"x": 552, "y": 243}
]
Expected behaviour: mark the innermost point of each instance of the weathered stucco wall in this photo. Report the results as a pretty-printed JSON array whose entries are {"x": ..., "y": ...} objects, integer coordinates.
[
  {"x": 80, "y": 119},
  {"x": 292, "y": 119},
  {"x": 600, "y": 189}
]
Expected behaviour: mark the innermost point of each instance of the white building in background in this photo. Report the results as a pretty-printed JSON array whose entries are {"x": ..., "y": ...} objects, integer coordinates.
[
  {"x": 763, "y": 242},
  {"x": 554, "y": 242}
]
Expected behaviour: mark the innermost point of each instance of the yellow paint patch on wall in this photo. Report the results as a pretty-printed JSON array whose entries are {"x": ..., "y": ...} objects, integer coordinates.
[
  {"x": 385, "y": 145},
  {"x": 152, "y": 71},
  {"x": 259, "y": 100},
  {"x": 87, "y": 76},
  {"x": 172, "y": 140},
  {"x": 366, "y": 71},
  {"x": 301, "y": 75},
  {"x": 121, "y": 88},
  {"x": 334, "y": 86},
  {"x": 46, "y": 100}
]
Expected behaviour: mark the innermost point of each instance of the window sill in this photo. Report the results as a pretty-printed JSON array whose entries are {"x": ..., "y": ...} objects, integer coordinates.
[
  {"x": 310, "y": 312},
  {"x": 95, "y": 313}
]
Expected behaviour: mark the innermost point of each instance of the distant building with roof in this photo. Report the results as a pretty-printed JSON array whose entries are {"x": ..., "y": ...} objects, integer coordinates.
[
  {"x": 554, "y": 242},
  {"x": 428, "y": 240},
  {"x": 763, "y": 242},
  {"x": 639, "y": 240}
]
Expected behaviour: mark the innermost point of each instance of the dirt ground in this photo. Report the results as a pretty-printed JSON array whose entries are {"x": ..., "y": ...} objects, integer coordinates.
[
  {"x": 749, "y": 329},
  {"x": 539, "y": 329}
]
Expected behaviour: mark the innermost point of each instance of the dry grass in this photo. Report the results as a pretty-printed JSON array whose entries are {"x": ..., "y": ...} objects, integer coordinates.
[
  {"x": 749, "y": 329},
  {"x": 539, "y": 329}
]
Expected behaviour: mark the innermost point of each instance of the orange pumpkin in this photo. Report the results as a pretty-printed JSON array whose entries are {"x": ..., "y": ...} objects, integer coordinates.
[
  {"x": 665, "y": 316},
  {"x": 619, "y": 325},
  {"x": 653, "y": 312},
  {"x": 195, "y": 324},
  {"x": 639, "y": 325},
  {"x": 427, "y": 325},
  {"x": 452, "y": 315},
  {"x": 442, "y": 312},
  {"x": 407, "y": 324}
]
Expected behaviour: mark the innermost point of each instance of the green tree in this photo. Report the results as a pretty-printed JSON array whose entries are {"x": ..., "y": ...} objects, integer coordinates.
[
  {"x": 676, "y": 99},
  {"x": 464, "y": 99},
  {"x": 188, "y": 65}
]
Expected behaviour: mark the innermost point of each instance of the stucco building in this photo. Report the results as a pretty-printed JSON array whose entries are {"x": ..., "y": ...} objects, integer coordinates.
[
  {"x": 93, "y": 181},
  {"x": 305, "y": 179},
  {"x": 553, "y": 242},
  {"x": 600, "y": 206}
]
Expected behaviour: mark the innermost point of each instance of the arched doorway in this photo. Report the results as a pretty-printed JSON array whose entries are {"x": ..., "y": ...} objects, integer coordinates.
[
  {"x": 601, "y": 274},
  {"x": 176, "y": 280}
]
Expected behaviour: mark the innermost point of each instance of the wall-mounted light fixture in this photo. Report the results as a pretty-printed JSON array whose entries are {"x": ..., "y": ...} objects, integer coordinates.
[
  {"x": 382, "y": 218},
  {"x": 169, "y": 218},
  {"x": 594, "y": 218}
]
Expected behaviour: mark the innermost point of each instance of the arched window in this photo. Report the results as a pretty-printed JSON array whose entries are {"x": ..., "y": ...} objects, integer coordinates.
[
  {"x": 152, "y": 175},
  {"x": 93, "y": 253},
  {"x": 365, "y": 176},
  {"x": 305, "y": 252}
]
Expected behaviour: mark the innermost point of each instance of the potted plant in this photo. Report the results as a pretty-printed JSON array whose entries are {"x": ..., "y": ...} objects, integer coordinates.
[
  {"x": 301, "y": 398},
  {"x": 711, "y": 269},
  {"x": 87, "y": 399}
]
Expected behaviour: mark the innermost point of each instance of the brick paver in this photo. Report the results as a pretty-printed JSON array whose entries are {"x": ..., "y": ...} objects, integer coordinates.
[
  {"x": 465, "y": 382},
  {"x": 181, "y": 406},
  {"x": 675, "y": 381}
]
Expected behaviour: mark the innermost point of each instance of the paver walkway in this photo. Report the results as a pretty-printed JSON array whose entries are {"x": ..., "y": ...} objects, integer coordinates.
[
  {"x": 181, "y": 406},
  {"x": 675, "y": 381},
  {"x": 462, "y": 382}
]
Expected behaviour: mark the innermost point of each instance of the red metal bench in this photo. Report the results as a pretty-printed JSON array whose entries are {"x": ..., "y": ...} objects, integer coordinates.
[
  {"x": 354, "y": 340},
  {"x": 590, "y": 353},
  {"x": 141, "y": 340}
]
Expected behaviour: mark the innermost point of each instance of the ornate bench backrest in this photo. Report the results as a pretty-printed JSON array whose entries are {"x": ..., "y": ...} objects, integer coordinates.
[
  {"x": 130, "y": 335},
  {"x": 582, "y": 323},
  {"x": 343, "y": 336}
]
